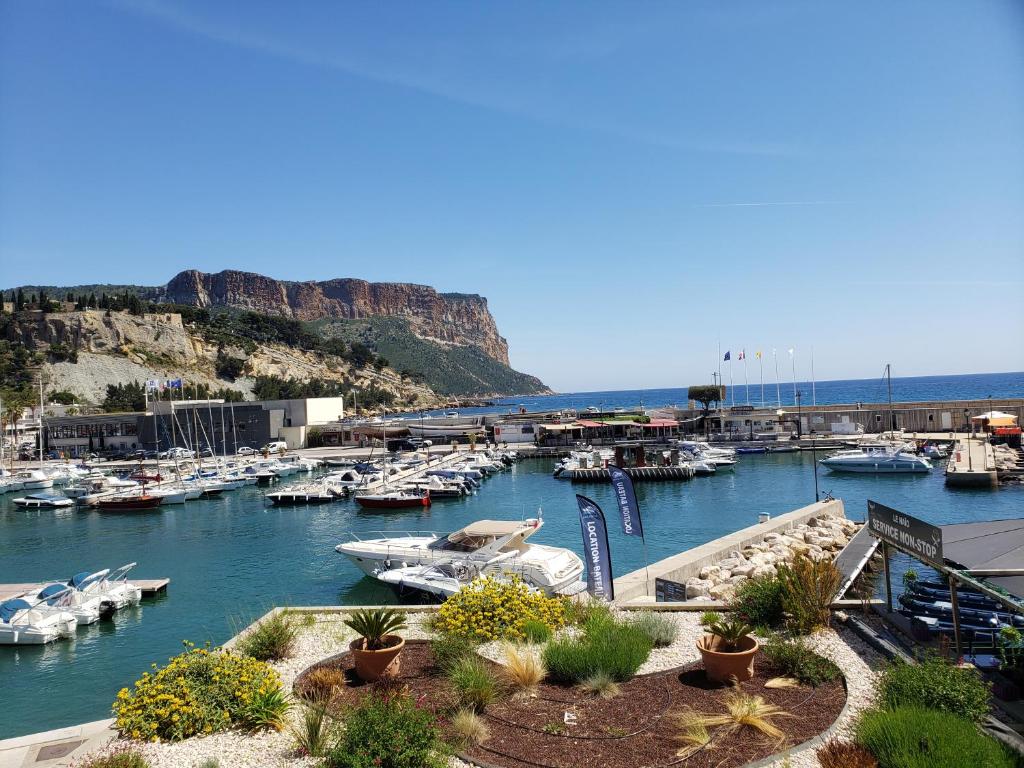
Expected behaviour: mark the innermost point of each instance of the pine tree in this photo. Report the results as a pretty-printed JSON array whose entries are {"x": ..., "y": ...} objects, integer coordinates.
[{"x": 19, "y": 301}]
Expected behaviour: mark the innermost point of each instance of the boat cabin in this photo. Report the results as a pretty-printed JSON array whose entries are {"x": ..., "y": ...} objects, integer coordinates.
[{"x": 501, "y": 535}]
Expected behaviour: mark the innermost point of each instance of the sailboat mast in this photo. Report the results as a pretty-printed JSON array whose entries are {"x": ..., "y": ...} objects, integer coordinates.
[
  {"x": 888, "y": 375},
  {"x": 41, "y": 419}
]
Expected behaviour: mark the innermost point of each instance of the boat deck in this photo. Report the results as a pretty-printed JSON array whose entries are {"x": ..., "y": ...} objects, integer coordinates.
[{"x": 149, "y": 587}]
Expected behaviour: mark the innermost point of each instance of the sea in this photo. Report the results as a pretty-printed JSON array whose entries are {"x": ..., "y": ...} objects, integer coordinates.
[
  {"x": 907, "y": 389},
  {"x": 232, "y": 558}
]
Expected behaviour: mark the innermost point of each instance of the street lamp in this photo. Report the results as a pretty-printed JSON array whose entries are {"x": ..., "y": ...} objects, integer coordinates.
[
  {"x": 799, "y": 430},
  {"x": 967, "y": 426}
]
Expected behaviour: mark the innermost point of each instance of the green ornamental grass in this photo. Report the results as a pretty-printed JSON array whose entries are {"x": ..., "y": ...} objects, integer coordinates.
[
  {"x": 659, "y": 627},
  {"x": 606, "y": 645},
  {"x": 270, "y": 640},
  {"x": 449, "y": 648},
  {"x": 912, "y": 737},
  {"x": 474, "y": 685},
  {"x": 536, "y": 631},
  {"x": 935, "y": 684}
]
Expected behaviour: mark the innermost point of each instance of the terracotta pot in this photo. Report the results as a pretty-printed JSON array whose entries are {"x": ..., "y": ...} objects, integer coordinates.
[
  {"x": 373, "y": 665},
  {"x": 723, "y": 666}
]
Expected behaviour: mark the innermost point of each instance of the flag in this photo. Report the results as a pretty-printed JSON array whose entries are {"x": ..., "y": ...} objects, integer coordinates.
[
  {"x": 758, "y": 353},
  {"x": 742, "y": 353},
  {"x": 598, "y": 553},
  {"x": 791, "y": 350},
  {"x": 622, "y": 485},
  {"x": 152, "y": 384},
  {"x": 726, "y": 356},
  {"x": 174, "y": 383}
]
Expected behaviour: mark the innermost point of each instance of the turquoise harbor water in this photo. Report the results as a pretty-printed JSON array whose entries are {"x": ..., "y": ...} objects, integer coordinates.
[{"x": 230, "y": 559}]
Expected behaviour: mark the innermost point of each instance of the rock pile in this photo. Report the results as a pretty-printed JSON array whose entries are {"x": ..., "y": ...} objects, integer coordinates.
[{"x": 818, "y": 538}]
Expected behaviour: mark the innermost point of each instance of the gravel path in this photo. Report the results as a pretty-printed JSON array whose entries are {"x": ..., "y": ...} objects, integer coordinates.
[{"x": 328, "y": 635}]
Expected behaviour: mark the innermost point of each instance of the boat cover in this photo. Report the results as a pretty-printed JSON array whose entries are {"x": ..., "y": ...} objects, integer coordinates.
[
  {"x": 988, "y": 546},
  {"x": 79, "y": 578},
  {"x": 10, "y": 607},
  {"x": 52, "y": 590}
]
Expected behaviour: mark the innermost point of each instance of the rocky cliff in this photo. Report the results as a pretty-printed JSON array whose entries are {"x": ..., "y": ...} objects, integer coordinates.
[{"x": 449, "y": 318}]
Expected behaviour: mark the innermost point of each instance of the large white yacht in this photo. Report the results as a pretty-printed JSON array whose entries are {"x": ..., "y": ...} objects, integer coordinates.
[
  {"x": 486, "y": 547},
  {"x": 877, "y": 461}
]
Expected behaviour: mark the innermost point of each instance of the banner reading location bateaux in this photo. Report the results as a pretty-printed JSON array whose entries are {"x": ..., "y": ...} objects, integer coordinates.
[
  {"x": 915, "y": 537},
  {"x": 598, "y": 555},
  {"x": 629, "y": 510}
]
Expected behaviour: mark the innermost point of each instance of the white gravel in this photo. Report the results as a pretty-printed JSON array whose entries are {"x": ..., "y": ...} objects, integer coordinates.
[{"x": 329, "y": 636}]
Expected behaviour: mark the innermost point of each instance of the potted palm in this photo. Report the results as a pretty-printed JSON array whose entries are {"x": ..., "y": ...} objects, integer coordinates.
[
  {"x": 728, "y": 651},
  {"x": 377, "y": 649}
]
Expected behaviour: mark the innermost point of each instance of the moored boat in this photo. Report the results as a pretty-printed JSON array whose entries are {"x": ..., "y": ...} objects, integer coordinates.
[
  {"x": 43, "y": 501},
  {"x": 129, "y": 503},
  {"x": 394, "y": 499}
]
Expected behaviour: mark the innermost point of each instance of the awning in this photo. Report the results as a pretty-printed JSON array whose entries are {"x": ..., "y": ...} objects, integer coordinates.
[
  {"x": 993, "y": 546},
  {"x": 561, "y": 427},
  {"x": 660, "y": 424},
  {"x": 996, "y": 419},
  {"x": 590, "y": 424}
]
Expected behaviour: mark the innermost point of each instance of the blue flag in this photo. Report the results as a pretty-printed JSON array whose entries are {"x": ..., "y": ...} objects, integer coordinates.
[
  {"x": 598, "y": 556},
  {"x": 727, "y": 356},
  {"x": 625, "y": 496}
]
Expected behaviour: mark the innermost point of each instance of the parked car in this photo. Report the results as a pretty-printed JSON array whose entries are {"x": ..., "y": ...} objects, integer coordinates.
[
  {"x": 245, "y": 450},
  {"x": 177, "y": 453}
]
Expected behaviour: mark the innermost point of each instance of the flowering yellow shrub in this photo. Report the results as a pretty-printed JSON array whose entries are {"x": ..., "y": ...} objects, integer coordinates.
[
  {"x": 200, "y": 691},
  {"x": 489, "y": 609}
]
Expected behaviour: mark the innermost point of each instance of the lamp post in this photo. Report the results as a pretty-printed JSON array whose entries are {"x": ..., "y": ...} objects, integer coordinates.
[
  {"x": 967, "y": 425},
  {"x": 799, "y": 428}
]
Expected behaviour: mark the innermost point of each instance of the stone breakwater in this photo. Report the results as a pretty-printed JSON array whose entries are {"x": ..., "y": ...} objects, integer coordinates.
[{"x": 819, "y": 538}]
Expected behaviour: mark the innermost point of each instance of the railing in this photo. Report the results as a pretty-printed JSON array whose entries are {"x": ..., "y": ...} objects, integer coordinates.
[{"x": 353, "y": 536}]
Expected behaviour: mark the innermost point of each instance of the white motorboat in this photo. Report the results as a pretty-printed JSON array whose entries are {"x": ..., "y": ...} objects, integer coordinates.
[
  {"x": 706, "y": 449},
  {"x": 28, "y": 621},
  {"x": 84, "y": 607},
  {"x": 43, "y": 501},
  {"x": 448, "y": 426},
  {"x": 34, "y": 480},
  {"x": 8, "y": 484},
  {"x": 878, "y": 461},
  {"x": 933, "y": 452},
  {"x": 438, "y": 488},
  {"x": 497, "y": 547},
  {"x": 112, "y": 587}
]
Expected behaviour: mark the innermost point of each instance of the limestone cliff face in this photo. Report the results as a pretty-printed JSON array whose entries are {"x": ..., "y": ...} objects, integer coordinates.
[{"x": 451, "y": 318}]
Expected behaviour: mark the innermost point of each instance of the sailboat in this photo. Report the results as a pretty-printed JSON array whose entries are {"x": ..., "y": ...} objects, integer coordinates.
[{"x": 388, "y": 498}]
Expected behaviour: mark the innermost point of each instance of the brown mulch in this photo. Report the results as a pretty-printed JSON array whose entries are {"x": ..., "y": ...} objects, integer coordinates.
[{"x": 635, "y": 729}]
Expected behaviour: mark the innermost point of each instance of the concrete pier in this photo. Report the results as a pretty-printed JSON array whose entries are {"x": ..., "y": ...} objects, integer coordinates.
[
  {"x": 972, "y": 464},
  {"x": 640, "y": 584}
]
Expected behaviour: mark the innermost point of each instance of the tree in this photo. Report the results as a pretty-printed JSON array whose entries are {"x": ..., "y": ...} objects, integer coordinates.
[
  {"x": 706, "y": 394},
  {"x": 130, "y": 396},
  {"x": 19, "y": 301}
]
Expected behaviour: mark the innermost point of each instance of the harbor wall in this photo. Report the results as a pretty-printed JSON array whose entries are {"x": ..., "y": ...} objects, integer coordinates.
[{"x": 639, "y": 585}]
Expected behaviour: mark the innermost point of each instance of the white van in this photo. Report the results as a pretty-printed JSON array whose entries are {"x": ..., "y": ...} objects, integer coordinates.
[{"x": 275, "y": 446}]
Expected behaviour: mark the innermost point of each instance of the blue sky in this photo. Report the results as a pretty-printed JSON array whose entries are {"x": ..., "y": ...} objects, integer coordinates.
[{"x": 628, "y": 184}]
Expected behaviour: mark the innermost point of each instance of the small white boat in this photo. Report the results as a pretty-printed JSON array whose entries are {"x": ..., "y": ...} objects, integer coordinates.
[
  {"x": 8, "y": 484},
  {"x": 43, "y": 501},
  {"x": 25, "y": 621},
  {"x": 112, "y": 587},
  {"x": 34, "y": 480},
  {"x": 84, "y": 607}
]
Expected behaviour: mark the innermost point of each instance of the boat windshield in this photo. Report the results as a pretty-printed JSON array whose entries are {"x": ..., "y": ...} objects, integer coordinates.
[{"x": 460, "y": 541}]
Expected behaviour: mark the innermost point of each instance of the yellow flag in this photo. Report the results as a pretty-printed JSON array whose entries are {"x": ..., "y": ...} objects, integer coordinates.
[{"x": 758, "y": 355}]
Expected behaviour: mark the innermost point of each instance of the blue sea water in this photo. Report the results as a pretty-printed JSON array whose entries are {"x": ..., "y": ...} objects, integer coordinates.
[
  {"x": 975, "y": 386},
  {"x": 230, "y": 559}
]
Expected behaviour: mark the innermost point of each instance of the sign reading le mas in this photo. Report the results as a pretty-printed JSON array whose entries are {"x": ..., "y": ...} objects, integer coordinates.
[{"x": 916, "y": 537}]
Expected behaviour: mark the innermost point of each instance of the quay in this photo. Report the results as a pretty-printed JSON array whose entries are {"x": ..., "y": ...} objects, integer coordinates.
[
  {"x": 972, "y": 464},
  {"x": 149, "y": 587}
]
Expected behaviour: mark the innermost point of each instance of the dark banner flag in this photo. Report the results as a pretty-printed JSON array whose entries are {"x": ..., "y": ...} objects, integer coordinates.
[
  {"x": 625, "y": 496},
  {"x": 598, "y": 556}
]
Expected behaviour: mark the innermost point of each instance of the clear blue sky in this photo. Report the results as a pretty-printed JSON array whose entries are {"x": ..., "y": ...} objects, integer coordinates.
[{"x": 627, "y": 183}]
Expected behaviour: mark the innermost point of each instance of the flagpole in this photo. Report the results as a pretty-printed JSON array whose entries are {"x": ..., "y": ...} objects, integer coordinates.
[
  {"x": 814, "y": 400},
  {"x": 746, "y": 381},
  {"x": 720, "y": 379},
  {"x": 732, "y": 393},
  {"x": 760, "y": 364},
  {"x": 778, "y": 392}
]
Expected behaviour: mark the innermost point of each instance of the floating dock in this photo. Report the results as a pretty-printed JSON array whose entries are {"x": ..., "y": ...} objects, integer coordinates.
[
  {"x": 600, "y": 474},
  {"x": 972, "y": 464},
  {"x": 149, "y": 587}
]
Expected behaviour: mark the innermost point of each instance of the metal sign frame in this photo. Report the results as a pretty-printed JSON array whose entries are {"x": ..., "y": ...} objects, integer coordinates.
[{"x": 905, "y": 532}]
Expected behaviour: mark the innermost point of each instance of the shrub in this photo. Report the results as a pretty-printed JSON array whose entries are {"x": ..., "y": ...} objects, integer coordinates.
[
  {"x": 270, "y": 640},
  {"x": 911, "y": 737},
  {"x": 375, "y": 625},
  {"x": 759, "y": 601},
  {"x": 210, "y": 762},
  {"x": 473, "y": 684},
  {"x": 469, "y": 728},
  {"x": 795, "y": 659},
  {"x": 523, "y": 668},
  {"x": 742, "y": 711},
  {"x": 116, "y": 758},
  {"x": 489, "y": 609},
  {"x": 322, "y": 683},
  {"x": 619, "y": 649},
  {"x": 536, "y": 631},
  {"x": 315, "y": 732},
  {"x": 661, "y": 629},
  {"x": 448, "y": 649},
  {"x": 582, "y": 610},
  {"x": 388, "y": 731},
  {"x": 808, "y": 588},
  {"x": 601, "y": 684},
  {"x": 844, "y": 754},
  {"x": 935, "y": 684},
  {"x": 198, "y": 692}
]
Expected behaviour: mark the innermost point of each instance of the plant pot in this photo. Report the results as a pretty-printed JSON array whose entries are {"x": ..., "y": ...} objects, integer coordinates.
[
  {"x": 373, "y": 665},
  {"x": 723, "y": 666}
]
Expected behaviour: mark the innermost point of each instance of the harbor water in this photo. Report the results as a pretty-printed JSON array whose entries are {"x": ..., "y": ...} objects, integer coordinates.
[{"x": 232, "y": 558}]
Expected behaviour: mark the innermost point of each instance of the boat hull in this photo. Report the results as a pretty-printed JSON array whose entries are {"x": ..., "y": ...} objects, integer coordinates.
[
  {"x": 128, "y": 505},
  {"x": 375, "y": 502}
]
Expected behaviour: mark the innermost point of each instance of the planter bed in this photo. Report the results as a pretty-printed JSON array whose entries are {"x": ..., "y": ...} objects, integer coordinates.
[{"x": 635, "y": 728}]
